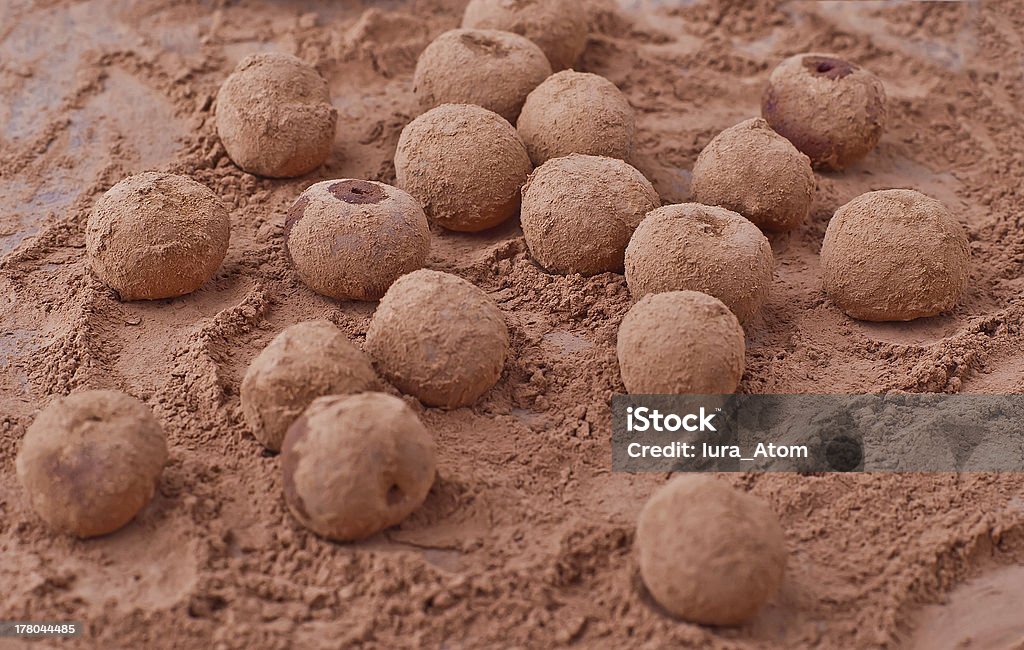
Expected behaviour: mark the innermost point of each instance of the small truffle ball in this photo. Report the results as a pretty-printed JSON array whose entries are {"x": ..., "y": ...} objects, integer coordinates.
[
  {"x": 830, "y": 109},
  {"x": 750, "y": 169},
  {"x": 156, "y": 235},
  {"x": 894, "y": 255},
  {"x": 558, "y": 27},
  {"x": 466, "y": 165},
  {"x": 350, "y": 239},
  {"x": 701, "y": 248},
  {"x": 580, "y": 211},
  {"x": 305, "y": 361},
  {"x": 274, "y": 116},
  {"x": 91, "y": 461},
  {"x": 486, "y": 67},
  {"x": 576, "y": 112},
  {"x": 355, "y": 465},
  {"x": 708, "y": 553},
  {"x": 439, "y": 338}
]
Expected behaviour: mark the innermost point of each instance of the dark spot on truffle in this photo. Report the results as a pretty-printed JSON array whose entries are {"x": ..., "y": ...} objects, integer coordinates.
[
  {"x": 829, "y": 67},
  {"x": 395, "y": 495},
  {"x": 354, "y": 191},
  {"x": 484, "y": 45},
  {"x": 710, "y": 225},
  {"x": 290, "y": 458}
]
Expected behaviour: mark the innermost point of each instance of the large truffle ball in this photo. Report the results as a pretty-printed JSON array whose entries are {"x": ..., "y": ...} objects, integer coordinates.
[
  {"x": 750, "y": 169},
  {"x": 274, "y": 116},
  {"x": 91, "y": 461},
  {"x": 350, "y": 239},
  {"x": 701, "y": 248},
  {"x": 576, "y": 112},
  {"x": 466, "y": 165},
  {"x": 156, "y": 235},
  {"x": 439, "y": 338},
  {"x": 305, "y": 361},
  {"x": 355, "y": 465},
  {"x": 558, "y": 27},
  {"x": 580, "y": 211},
  {"x": 832, "y": 110},
  {"x": 708, "y": 553},
  {"x": 894, "y": 255}
]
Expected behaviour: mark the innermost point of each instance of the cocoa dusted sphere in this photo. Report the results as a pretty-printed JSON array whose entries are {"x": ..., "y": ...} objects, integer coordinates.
[
  {"x": 274, "y": 116},
  {"x": 832, "y": 110},
  {"x": 559, "y": 27},
  {"x": 350, "y": 239},
  {"x": 894, "y": 255},
  {"x": 157, "y": 235}
]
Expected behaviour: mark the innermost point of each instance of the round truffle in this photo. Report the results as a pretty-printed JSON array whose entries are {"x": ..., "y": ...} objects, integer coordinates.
[
  {"x": 830, "y": 109},
  {"x": 91, "y": 461},
  {"x": 558, "y": 27},
  {"x": 305, "y": 361},
  {"x": 350, "y": 239},
  {"x": 466, "y": 165},
  {"x": 355, "y": 465},
  {"x": 708, "y": 553},
  {"x": 156, "y": 235},
  {"x": 894, "y": 255},
  {"x": 274, "y": 116},
  {"x": 576, "y": 112},
  {"x": 439, "y": 338},
  {"x": 486, "y": 67},
  {"x": 701, "y": 248},
  {"x": 580, "y": 211},
  {"x": 752, "y": 170}
]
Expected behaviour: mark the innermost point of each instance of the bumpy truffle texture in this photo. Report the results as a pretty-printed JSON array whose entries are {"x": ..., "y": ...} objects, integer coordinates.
[
  {"x": 894, "y": 255},
  {"x": 710, "y": 554},
  {"x": 274, "y": 116},
  {"x": 305, "y": 361},
  {"x": 830, "y": 109},
  {"x": 91, "y": 461},
  {"x": 580, "y": 211},
  {"x": 752, "y": 170},
  {"x": 439, "y": 338},
  {"x": 350, "y": 239},
  {"x": 704, "y": 248},
  {"x": 156, "y": 235},
  {"x": 465, "y": 165},
  {"x": 355, "y": 465},
  {"x": 558, "y": 27},
  {"x": 576, "y": 112}
]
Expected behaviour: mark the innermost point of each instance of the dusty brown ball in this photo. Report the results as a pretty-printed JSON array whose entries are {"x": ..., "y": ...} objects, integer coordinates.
[
  {"x": 558, "y": 27},
  {"x": 701, "y": 248},
  {"x": 580, "y": 211},
  {"x": 355, "y": 465},
  {"x": 350, "y": 239},
  {"x": 894, "y": 255},
  {"x": 708, "y": 553},
  {"x": 156, "y": 235},
  {"x": 465, "y": 165},
  {"x": 439, "y": 338},
  {"x": 305, "y": 361},
  {"x": 830, "y": 109},
  {"x": 274, "y": 116},
  {"x": 91, "y": 461},
  {"x": 752, "y": 170}
]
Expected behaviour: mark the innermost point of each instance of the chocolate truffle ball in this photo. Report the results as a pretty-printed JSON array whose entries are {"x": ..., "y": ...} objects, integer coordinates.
[
  {"x": 580, "y": 211},
  {"x": 894, "y": 255},
  {"x": 558, "y": 27},
  {"x": 701, "y": 248},
  {"x": 156, "y": 235},
  {"x": 830, "y": 109},
  {"x": 439, "y": 338},
  {"x": 708, "y": 553},
  {"x": 576, "y": 112},
  {"x": 486, "y": 67},
  {"x": 91, "y": 461},
  {"x": 305, "y": 361},
  {"x": 466, "y": 165},
  {"x": 350, "y": 239},
  {"x": 355, "y": 465},
  {"x": 274, "y": 116},
  {"x": 750, "y": 169}
]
